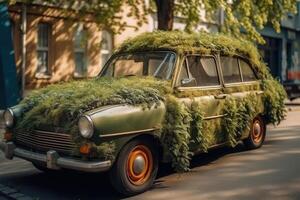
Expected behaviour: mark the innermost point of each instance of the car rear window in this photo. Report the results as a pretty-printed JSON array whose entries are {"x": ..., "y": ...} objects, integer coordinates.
[
  {"x": 230, "y": 69},
  {"x": 247, "y": 72}
]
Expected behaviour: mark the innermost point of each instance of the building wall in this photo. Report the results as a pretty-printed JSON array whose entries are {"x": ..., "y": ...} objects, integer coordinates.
[
  {"x": 61, "y": 45},
  {"x": 287, "y": 67},
  {"x": 61, "y": 41}
]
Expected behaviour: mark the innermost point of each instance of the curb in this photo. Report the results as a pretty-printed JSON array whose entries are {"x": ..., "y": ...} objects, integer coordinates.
[
  {"x": 12, "y": 194},
  {"x": 293, "y": 108}
]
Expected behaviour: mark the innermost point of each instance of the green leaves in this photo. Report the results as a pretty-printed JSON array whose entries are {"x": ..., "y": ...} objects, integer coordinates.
[
  {"x": 247, "y": 15},
  {"x": 60, "y": 105},
  {"x": 274, "y": 96},
  {"x": 239, "y": 115},
  {"x": 198, "y": 138},
  {"x": 230, "y": 121},
  {"x": 176, "y": 134},
  {"x": 202, "y": 42},
  {"x": 106, "y": 13}
]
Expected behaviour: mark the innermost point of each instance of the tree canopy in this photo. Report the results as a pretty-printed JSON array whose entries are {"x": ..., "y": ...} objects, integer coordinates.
[{"x": 241, "y": 16}]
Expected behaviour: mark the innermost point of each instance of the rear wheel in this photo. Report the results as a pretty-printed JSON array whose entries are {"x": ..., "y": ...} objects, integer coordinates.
[
  {"x": 135, "y": 169},
  {"x": 257, "y": 134}
]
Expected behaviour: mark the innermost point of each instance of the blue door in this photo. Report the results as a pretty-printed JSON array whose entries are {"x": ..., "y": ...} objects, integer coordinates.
[{"x": 9, "y": 90}]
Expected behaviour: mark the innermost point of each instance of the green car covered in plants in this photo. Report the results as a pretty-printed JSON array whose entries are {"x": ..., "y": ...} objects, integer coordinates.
[{"x": 162, "y": 97}]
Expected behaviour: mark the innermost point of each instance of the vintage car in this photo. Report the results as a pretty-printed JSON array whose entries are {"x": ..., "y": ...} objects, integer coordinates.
[{"x": 161, "y": 97}]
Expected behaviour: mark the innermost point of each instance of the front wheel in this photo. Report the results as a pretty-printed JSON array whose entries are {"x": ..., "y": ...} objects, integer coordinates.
[
  {"x": 135, "y": 169},
  {"x": 257, "y": 134}
]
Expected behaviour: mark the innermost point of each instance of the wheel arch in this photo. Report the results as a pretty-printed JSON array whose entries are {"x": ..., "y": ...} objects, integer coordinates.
[
  {"x": 260, "y": 115},
  {"x": 147, "y": 136}
]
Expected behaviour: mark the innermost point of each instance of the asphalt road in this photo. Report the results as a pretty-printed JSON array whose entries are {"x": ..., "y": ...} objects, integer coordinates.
[{"x": 271, "y": 172}]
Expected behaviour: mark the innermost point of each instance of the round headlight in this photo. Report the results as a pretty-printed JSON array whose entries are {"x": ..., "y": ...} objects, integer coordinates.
[
  {"x": 86, "y": 126},
  {"x": 8, "y": 118}
]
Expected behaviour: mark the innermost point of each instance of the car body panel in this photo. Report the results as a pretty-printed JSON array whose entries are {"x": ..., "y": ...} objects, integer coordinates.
[
  {"x": 126, "y": 119},
  {"x": 123, "y": 123}
]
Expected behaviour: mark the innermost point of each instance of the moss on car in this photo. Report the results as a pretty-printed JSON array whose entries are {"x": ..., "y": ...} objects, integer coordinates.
[{"x": 165, "y": 118}]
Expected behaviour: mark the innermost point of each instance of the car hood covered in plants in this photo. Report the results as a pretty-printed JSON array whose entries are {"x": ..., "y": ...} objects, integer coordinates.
[{"x": 60, "y": 105}]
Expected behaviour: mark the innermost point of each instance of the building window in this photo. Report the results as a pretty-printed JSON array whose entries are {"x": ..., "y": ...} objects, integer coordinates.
[
  {"x": 42, "y": 70},
  {"x": 80, "y": 46},
  {"x": 106, "y": 46}
]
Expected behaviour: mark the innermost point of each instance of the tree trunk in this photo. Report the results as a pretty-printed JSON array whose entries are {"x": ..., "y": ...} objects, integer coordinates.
[{"x": 165, "y": 14}]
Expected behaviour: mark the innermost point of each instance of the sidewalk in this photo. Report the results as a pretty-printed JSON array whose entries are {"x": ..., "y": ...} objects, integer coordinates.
[{"x": 293, "y": 105}]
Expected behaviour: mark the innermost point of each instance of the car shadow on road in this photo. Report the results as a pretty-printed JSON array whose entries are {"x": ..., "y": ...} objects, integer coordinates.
[
  {"x": 66, "y": 185},
  {"x": 74, "y": 185},
  {"x": 201, "y": 159}
]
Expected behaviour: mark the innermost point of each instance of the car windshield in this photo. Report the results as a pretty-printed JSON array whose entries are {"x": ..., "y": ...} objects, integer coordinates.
[{"x": 157, "y": 64}]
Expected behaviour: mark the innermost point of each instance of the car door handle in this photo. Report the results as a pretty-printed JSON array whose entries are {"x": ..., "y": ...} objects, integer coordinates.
[{"x": 221, "y": 96}]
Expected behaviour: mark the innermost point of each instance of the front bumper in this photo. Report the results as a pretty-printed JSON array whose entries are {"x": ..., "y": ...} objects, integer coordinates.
[{"x": 52, "y": 159}]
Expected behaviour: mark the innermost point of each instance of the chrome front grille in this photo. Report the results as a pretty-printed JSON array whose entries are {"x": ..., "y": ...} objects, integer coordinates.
[{"x": 45, "y": 141}]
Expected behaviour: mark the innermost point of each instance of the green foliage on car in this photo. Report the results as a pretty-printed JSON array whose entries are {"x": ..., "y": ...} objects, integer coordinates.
[
  {"x": 183, "y": 129},
  {"x": 60, "y": 105},
  {"x": 206, "y": 43},
  {"x": 176, "y": 134},
  {"x": 274, "y": 96},
  {"x": 238, "y": 116}
]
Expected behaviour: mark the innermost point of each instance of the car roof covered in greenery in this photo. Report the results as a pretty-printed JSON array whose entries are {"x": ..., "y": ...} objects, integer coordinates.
[{"x": 201, "y": 42}]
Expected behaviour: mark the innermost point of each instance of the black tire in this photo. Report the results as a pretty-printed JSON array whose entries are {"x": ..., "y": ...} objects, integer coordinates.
[
  {"x": 257, "y": 134},
  {"x": 120, "y": 174}
]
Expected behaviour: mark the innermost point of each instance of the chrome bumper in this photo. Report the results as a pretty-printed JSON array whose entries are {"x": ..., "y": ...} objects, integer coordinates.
[{"x": 52, "y": 159}]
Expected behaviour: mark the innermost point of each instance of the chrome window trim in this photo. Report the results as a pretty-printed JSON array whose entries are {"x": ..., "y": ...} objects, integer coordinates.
[
  {"x": 239, "y": 67},
  {"x": 199, "y": 87},
  {"x": 246, "y": 60},
  {"x": 214, "y": 117},
  {"x": 126, "y": 133},
  {"x": 100, "y": 74},
  {"x": 241, "y": 83}
]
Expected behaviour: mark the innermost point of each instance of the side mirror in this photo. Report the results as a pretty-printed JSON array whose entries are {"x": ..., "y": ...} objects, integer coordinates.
[{"x": 187, "y": 81}]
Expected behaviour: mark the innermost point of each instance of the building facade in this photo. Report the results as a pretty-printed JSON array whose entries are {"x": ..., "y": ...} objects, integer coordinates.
[
  {"x": 59, "y": 47},
  {"x": 282, "y": 53}
]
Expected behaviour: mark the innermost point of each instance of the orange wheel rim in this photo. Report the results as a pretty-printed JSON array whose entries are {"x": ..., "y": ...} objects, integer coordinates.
[
  {"x": 257, "y": 131},
  {"x": 139, "y": 165}
]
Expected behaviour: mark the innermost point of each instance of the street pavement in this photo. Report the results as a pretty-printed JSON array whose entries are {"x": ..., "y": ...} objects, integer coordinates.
[{"x": 271, "y": 172}]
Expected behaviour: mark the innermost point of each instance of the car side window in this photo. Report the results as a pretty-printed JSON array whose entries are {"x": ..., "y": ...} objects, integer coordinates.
[
  {"x": 247, "y": 72},
  {"x": 203, "y": 70},
  {"x": 183, "y": 72},
  {"x": 230, "y": 69},
  {"x": 184, "y": 79}
]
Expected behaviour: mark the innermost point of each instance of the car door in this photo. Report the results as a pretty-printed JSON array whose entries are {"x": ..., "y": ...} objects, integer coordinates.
[
  {"x": 198, "y": 80},
  {"x": 238, "y": 77}
]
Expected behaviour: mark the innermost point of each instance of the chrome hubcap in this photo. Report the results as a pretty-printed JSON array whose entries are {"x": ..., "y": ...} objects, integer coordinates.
[
  {"x": 256, "y": 129},
  {"x": 139, "y": 164},
  {"x": 257, "y": 132}
]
